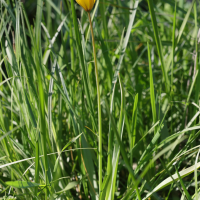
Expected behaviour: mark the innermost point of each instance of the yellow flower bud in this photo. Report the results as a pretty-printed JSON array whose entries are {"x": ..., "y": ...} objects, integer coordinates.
[{"x": 86, "y": 4}]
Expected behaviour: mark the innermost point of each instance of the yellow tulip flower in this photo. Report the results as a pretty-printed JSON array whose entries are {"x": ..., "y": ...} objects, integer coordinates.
[{"x": 87, "y": 5}]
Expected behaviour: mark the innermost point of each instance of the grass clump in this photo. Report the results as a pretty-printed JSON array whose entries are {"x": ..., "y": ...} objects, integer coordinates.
[{"x": 147, "y": 56}]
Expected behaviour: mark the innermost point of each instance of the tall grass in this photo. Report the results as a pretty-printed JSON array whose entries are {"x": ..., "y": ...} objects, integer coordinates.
[{"x": 148, "y": 68}]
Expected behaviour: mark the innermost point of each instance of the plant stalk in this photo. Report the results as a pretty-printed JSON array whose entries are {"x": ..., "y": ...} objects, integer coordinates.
[{"x": 99, "y": 106}]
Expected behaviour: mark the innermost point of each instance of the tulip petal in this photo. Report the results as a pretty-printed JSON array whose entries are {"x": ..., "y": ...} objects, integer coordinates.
[
  {"x": 86, "y": 4},
  {"x": 82, "y": 4}
]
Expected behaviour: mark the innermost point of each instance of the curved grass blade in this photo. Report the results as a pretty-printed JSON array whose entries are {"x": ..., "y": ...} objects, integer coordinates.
[
  {"x": 68, "y": 187},
  {"x": 169, "y": 180}
]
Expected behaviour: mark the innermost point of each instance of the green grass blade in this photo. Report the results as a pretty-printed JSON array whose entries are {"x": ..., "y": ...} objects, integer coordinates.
[
  {"x": 116, "y": 152},
  {"x": 183, "y": 186},
  {"x": 173, "y": 46},
  {"x": 169, "y": 180},
  {"x": 158, "y": 44},
  {"x": 68, "y": 187},
  {"x": 134, "y": 121},
  {"x": 153, "y": 104},
  {"x": 103, "y": 16},
  {"x": 22, "y": 184},
  {"x": 183, "y": 25}
]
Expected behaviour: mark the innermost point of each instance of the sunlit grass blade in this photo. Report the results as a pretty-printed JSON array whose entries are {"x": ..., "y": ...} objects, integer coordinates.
[
  {"x": 169, "y": 180},
  {"x": 116, "y": 151},
  {"x": 183, "y": 186}
]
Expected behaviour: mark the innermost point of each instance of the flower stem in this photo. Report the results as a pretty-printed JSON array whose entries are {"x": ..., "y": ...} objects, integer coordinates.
[{"x": 99, "y": 107}]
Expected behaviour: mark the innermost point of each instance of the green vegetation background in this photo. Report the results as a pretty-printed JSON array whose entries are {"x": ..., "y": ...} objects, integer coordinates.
[{"x": 148, "y": 62}]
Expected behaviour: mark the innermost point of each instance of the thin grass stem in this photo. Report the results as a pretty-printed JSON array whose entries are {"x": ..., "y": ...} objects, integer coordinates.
[{"x": 99, "y": 106}]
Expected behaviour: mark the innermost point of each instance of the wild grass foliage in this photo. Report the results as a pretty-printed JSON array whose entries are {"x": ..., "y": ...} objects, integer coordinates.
[{"x": 148, "y": 67}]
